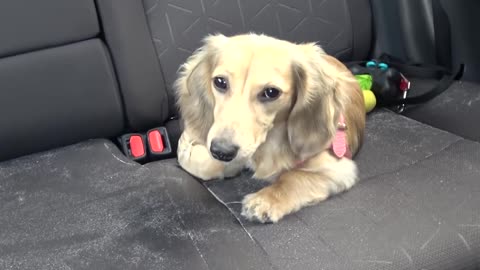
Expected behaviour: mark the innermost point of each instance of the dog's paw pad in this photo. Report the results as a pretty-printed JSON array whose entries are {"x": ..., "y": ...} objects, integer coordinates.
[{"x": 262, "y": 207}]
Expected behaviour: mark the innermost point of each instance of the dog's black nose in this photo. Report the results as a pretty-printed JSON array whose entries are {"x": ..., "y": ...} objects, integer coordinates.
[{"x": 222, "y": 150}]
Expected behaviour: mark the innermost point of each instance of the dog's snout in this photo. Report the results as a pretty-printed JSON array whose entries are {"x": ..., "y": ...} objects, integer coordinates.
[{"x": 223, "y": 150}]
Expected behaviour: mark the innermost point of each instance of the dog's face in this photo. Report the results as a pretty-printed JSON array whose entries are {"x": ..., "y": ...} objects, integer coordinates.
[
  {"x": 234, "y": 90},
  {"x": 252, "y": 88}
]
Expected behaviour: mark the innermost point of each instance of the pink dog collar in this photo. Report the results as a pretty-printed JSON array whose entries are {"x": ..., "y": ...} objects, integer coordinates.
[{"x": 340, "y": 144}]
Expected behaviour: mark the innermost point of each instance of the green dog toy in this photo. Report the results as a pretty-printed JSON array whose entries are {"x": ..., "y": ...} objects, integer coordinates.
[{"x": 365, "y": 82}]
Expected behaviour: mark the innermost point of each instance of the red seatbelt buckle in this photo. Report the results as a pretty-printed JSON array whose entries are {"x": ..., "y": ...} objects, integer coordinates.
[
  {"x": 134, "y": 146},
  {"x": 404, "y": 83},
  {"x": 158, "y": 143}
]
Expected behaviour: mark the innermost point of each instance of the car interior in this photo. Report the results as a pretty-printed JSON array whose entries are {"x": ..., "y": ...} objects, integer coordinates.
[{"x": 76, "y": 77}]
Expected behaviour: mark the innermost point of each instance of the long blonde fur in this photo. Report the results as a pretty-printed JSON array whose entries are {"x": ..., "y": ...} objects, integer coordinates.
[{"x": 273, "y": 137}]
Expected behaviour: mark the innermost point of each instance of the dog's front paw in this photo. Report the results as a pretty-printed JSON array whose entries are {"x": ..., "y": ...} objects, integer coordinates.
[
  {"x": 196, "y": 160},
  {"x": 264, "y": 206}
]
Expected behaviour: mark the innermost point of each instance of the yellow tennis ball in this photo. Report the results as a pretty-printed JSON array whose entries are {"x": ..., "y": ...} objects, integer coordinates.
[{"x": 370, "y": 100}]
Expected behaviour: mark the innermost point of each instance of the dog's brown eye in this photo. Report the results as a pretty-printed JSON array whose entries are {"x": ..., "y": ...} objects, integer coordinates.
[
  {"x": 269, "y": 94},
  {"x": 220, "y": 84}
]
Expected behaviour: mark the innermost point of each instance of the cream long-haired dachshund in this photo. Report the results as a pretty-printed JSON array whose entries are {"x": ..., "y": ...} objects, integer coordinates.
[{"x": 289, "y": 112}]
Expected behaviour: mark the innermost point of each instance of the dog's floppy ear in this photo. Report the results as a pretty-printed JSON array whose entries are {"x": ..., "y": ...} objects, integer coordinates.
[
  {"x": 193, "y": 87},
  {"x": 312, "y": 122}
]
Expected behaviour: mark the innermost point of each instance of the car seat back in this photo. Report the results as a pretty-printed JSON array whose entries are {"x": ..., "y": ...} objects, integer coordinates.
[
  {"x": 57, "y": 83},
  {"x": 74, "y": 70},
  {"x": 342, "y": 28}
]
